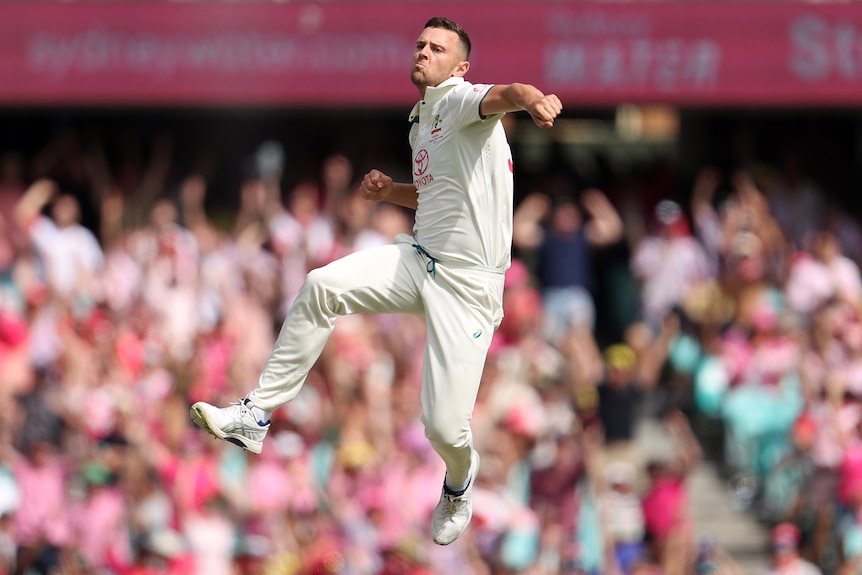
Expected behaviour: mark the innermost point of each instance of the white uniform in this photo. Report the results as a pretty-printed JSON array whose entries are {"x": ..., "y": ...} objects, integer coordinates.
[
  {"x": 462, "y": 167},
  {"x": 451, "y": 271}
]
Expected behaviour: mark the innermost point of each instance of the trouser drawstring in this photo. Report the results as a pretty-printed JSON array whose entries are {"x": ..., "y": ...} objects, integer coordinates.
[{"x": 431, "y": 266}]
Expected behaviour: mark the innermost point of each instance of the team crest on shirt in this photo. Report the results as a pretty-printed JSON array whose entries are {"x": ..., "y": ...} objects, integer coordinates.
[{"x": 436, "y": 129}]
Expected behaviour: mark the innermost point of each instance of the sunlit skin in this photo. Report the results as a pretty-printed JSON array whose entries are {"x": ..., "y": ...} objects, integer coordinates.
[{"x": 438, "y": 55}]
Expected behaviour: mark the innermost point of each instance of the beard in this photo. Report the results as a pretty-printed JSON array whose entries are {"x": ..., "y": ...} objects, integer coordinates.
[
  {"x": 419, "y": 79},
  {"x": 425, "y": 76}
]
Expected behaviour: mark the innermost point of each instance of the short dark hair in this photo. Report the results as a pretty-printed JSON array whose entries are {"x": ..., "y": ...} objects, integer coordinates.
[{"x": 447, "y": 24}]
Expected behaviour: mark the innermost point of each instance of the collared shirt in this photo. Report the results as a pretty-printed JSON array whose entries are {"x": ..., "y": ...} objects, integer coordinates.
[{"x": 462, "y": 169}]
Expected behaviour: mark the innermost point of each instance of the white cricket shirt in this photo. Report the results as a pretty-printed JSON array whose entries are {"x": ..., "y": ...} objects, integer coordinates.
[{"x": 462, "y": 169}]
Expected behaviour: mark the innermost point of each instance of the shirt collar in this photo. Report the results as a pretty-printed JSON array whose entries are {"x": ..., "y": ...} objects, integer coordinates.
[
  {"x": 451, "y": 81},
  {"x": 433, "y": 93}
]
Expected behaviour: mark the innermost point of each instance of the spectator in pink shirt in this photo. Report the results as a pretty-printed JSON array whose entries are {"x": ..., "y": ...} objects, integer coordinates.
[
  {"x": 669, "y": 262},
  {"x": 100, "y": 521},
  {"x": 41, "y": 527},
  {"x": 413, "y": 470},
  {"x": 850, "y": 472},
  {"x": 822, "y": 274},
  {"x": 665, "y": 503}
]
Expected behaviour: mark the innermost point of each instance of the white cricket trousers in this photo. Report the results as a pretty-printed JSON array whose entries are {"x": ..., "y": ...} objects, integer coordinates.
[{"x": 462, "y": 307}]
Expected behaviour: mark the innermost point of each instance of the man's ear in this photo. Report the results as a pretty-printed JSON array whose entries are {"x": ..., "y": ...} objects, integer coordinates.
[{"x": 461, "y": 69}]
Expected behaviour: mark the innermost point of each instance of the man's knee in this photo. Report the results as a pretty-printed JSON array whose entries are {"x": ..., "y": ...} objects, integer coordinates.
[
  {"x": 322, "y": 282},
  {"x": 318, "y": 292},
  {"x": 318, "y": 278},
  {"x": 443, "y": 431}
]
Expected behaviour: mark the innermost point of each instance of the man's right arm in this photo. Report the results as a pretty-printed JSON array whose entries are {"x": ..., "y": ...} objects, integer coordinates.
[
  {"x": 377, "y": 186},
  {"x": 504, "y": 98}
]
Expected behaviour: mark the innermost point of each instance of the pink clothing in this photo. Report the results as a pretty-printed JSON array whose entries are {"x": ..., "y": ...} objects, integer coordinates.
[
  {"x": 669, "y": 268},
  {"x": 774, "y": 358},
  {"x": 120, "y": 280},
  {"x": 845, "y": 276},
  {"x": 850, "y": 475},
  {"x": 101, "y": 528},
  {"x": 417, "y": 485},
  {"x": 212, "y": 366},
  {"x": 834, "y": 424},
  {"x": 808, "y": 285},
  {"x": 736, "y": 354},
  {"x": 13, "y": 329},
  {"x": 664, "y": 506},
  {"x": 270, "y": 476},
  {"x": 44, "y": 516},
  {"x": 191, "y": 482},
  {"x": 212, "y": 541},
  {"x": 812, "y": 282},
  {"x": 764, "y": 363},
  {"x": 131, "y": 353}
]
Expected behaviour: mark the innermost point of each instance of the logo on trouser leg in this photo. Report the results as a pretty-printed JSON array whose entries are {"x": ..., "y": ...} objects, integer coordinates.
[{"x": 477, "y": 334}]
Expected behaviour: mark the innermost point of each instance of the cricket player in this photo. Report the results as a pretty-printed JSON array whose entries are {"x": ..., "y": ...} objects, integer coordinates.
[{"x": 450, "y": 271}]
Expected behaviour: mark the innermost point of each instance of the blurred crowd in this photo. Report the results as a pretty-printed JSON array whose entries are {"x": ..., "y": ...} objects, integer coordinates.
[{"x": 730, "y": 316}]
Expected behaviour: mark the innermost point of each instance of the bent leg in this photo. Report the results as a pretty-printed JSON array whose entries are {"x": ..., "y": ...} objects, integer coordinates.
[
  {"x": 462, "y": 312},
  {"x": 377, "y": 280}
]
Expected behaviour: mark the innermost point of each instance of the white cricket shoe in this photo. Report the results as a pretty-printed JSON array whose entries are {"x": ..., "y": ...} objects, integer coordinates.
[
  {"x": 234, "y": 423},
  {"x": 454, "y": 511}
]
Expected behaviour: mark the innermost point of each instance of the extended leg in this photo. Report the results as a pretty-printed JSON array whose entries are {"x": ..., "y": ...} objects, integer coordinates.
[{"x": 379, "y": 280}]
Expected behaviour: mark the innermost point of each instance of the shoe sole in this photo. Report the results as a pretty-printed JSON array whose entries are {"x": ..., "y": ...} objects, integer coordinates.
[
  {"x": 200, "y": 418},
  {"x": 474, "y": 470}
]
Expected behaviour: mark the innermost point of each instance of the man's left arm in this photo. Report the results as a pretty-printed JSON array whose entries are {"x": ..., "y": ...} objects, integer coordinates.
[{"x": 514, "y": 97}]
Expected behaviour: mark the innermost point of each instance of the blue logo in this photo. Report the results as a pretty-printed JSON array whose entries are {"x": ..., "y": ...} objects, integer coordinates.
[{"x": 477, "y": 334}]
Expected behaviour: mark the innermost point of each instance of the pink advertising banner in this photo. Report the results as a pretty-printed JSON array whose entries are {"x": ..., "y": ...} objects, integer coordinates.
[{"x": 357, "y": 54}]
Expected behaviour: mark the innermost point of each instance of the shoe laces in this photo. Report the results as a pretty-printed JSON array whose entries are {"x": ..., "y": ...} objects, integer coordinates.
[
  {"x": 452, "y": 504},
  {"x": 240, "y": 408}
]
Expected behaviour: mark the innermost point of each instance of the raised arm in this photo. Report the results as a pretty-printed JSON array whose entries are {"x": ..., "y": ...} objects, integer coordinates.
[
  {"x": 30, "y": 205},
  {"x": 377, "y": 186},
  {"x": 514, "y": 97},
  {"x": 605, "y": 226}
]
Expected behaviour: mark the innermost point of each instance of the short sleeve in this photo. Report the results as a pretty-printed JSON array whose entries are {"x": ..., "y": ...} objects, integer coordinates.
[{"x": 465, "y": 100}]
